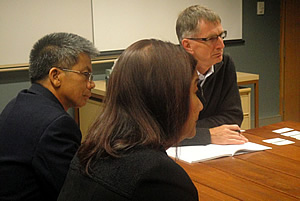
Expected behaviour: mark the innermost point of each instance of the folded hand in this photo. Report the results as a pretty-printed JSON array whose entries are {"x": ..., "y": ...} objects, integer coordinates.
[{"x": 227, "y": 134}]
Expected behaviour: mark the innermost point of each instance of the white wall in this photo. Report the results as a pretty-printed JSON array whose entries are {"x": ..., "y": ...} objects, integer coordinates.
[
  {"x": 23, "y": 22},
  {"x": 110, "y": 24},
  {"x": 119, "y": 23}
]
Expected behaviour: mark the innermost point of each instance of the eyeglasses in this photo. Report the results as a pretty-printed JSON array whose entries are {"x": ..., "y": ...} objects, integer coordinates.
[
  {"x": 212, "y": 39},
  {"x": 89, "y": 76}
]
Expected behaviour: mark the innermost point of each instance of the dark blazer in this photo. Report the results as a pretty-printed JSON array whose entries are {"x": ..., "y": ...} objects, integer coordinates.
[
  {"x": 221, "y": 101},
  {"x": 142, "y": 175},
  {"x": 38, "y": 139}
]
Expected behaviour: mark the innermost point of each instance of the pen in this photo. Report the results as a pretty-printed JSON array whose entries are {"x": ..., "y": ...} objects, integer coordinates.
[{"x": 240, "y": 131}]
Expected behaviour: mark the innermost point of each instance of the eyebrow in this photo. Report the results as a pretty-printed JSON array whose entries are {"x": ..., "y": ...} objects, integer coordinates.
[
  {"x": 88, "y": 69},
  {"x": 212, "y": 35}
]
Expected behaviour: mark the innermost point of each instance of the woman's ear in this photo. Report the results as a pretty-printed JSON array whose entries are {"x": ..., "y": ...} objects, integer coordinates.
[
  {"x": 55, "y": 77},
  {"x": 187, "y": 46}
]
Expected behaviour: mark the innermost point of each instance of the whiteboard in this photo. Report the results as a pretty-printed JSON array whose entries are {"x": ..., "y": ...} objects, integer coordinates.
[
  {"x": 23, "y": 22},
  {"x": 109, "y": 24},
  {"x": 119, "y": 23}
]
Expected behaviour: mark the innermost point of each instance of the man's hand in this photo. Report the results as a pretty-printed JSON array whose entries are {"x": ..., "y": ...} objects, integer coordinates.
[{"x": 227, "y": 134}]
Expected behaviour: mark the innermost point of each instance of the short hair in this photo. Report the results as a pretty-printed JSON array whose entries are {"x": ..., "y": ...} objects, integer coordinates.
[
  {"x": 147, "y": 101},
  {"x": 188, "y": 20},
  {"x": 57, "y": 49}
]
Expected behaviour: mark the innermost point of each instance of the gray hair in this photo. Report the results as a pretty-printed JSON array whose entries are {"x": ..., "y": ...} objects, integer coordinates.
[
  {"x": 57, "y": 49},
  {"x": 188, "y": 20}
]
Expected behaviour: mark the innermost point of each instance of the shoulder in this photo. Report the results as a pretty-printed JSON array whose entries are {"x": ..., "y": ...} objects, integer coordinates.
[
  {"x": 143, "y": 162},
  {"x": 226, "y": 57},
  {"x": 36, "y": 113},
  {"x": 228, "y": 62},
  {"x": 150, "y": 159},
  {"x": 143, "y": 174},
  {"x": 55, "y": 126},
  {"x": 160, "y": 165},
  {"x": 43, "y": 105},
  {"x": 164, "y": 180},
  {"x": 225, "y": 68}
]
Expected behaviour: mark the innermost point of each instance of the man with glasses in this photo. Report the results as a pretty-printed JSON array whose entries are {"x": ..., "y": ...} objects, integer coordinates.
[
  {"x": 200, "y": 33},
  {"x": 38, "y": 138}
]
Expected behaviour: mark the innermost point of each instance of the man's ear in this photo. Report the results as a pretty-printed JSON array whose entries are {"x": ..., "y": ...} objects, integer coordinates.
[
  {"x": 55, "y": 77},
  {"x": 187, "y": 46}
]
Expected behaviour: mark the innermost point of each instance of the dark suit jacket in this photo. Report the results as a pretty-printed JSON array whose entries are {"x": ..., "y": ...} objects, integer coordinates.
[
  {"x": 142, "y": 175},
  {"x": 38, "y": 139},
  {"x": 221, "y": 101}
]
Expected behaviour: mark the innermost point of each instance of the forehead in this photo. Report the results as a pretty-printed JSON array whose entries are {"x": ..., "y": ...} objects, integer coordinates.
[
  {"x": 84, "y": 62},
  {"x": 207, "y": 28}
]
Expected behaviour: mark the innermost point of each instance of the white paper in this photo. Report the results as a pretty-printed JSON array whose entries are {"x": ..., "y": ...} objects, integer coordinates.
[
  {"x": 273, "y": 140},
  {"x": 282, "y": 130},
  {"x": 200, "y": 153},
  {"x": 278, "y": 141},
  {"x": 291, "y": 133},
  {"x": 284, "y": 142},
  {"x": 296, "y": 137}
]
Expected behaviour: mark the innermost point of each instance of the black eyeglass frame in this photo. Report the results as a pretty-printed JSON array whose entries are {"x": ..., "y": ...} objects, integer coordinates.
[
  {"x": 89, "y": 76},
  {"x": 222, "y": 35}
]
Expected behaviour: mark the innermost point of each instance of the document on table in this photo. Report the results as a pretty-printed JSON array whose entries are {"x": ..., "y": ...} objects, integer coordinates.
[
  {"x": 287, "y": 132},
  {"x": 200, "y": 153}
]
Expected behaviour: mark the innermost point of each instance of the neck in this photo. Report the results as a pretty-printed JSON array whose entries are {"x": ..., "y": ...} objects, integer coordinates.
[
  {"x": 47, "y": 84},
  {"x": 203, "y": 69}
]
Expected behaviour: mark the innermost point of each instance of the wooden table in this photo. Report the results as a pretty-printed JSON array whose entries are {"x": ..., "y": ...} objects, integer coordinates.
[{"x": 266, "y": 175}]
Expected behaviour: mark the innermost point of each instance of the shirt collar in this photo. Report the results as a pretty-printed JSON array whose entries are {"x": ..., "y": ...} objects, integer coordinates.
[{"x": 202, "y": 77}]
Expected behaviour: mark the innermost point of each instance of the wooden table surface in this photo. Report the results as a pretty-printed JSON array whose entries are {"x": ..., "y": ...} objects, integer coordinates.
[{"x": 265, "y": 175}]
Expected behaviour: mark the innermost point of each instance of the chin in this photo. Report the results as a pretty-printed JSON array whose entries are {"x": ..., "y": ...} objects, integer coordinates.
[
  {"x": 220, "y": 58},
  {"x": 83, "y": 104},
  {"x": 80, "y": 104}
]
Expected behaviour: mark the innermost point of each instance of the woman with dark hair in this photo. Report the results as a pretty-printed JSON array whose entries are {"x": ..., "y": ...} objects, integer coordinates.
[{"x": 151, "y": 104}]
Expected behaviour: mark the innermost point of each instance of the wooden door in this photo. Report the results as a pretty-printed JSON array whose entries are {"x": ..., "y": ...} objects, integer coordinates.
[{"x": 290, "y": 60}]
